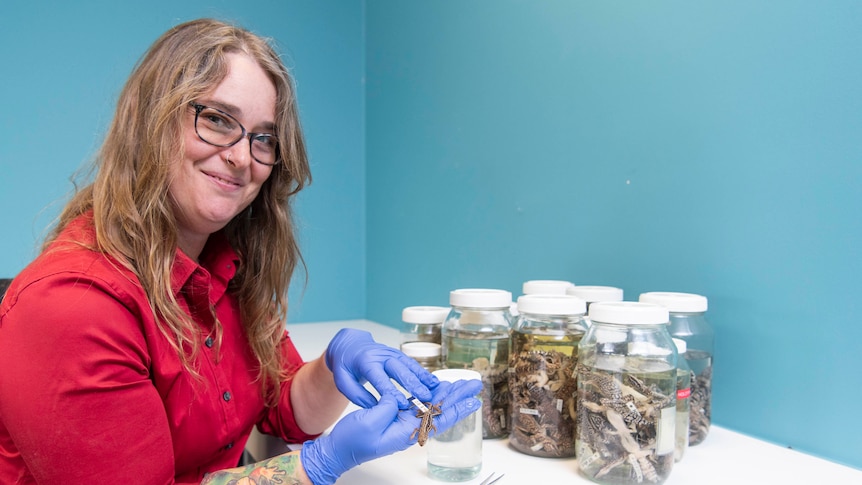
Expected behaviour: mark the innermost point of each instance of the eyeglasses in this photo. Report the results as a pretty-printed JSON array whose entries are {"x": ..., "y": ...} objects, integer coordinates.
[{"x": 220, "y": 129}]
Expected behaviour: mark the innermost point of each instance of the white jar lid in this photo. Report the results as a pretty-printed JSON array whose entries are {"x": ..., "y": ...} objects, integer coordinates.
[
  {"x": 628, "y": 313},
  {"x": 453, "y": 375},
  {"x": 480, "y": 298},
  {"x": 546, "y": 287},
  {"x": 596, "y": 293},
  {"x": 676, "y": 302},
  {"x": 552, "y": 305},
  {"x": 424, "y": 314},
  {"x": 421, "y": 349},
  {"x": 681, "y": 346}
]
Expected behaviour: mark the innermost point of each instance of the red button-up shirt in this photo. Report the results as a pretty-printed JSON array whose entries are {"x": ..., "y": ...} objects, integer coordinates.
[{"x": 91, "y": 390}]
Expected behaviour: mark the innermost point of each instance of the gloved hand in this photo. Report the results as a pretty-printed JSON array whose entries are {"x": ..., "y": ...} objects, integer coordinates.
[
  {"x": 354, "y": 357},
  {"x": 381, "y": 430}
]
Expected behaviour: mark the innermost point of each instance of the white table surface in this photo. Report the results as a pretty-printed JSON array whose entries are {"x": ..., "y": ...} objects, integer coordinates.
[{"x": 725, "y": 457}]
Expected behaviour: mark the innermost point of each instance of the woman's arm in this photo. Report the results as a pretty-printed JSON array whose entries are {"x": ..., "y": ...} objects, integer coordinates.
[
  {"x": 316, "y": 402},
  {"x": 285, "y": 469}
]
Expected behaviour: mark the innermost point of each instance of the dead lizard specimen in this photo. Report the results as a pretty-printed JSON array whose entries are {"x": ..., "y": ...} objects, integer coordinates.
[{"x": 427, "y": 424}]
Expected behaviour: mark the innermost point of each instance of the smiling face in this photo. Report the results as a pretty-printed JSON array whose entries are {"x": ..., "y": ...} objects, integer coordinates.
[{"x": 210, "y": 185}]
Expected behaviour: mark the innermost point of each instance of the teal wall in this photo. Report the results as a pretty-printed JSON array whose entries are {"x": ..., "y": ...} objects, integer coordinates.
[
  {"x": 64, "y": 63},
  {"x": 706, "y": 147}
]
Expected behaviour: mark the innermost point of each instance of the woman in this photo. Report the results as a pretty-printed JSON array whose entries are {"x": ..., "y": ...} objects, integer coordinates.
[{"x": 147, "y": 339}]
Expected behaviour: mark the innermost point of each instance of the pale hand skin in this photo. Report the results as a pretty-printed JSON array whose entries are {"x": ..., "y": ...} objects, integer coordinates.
[{"x": 317, "y": 403}]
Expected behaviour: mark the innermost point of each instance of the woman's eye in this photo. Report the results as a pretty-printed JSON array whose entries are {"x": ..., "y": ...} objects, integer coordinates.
[
  {"x": 265, "y": 142},
  {"x": 217, "y": 121}
]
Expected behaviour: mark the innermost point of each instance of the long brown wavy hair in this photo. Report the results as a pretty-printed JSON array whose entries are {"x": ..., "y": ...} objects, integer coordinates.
[{"x": 134, "y": 217}]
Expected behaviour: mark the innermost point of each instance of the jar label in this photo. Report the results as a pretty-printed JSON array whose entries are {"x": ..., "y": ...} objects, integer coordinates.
[
  {"x": 532, "y": 412},
  {"x": 683, "y": 393},
  {"x": 590, "y": 459},
  {"x": 634, "y": 410},
  {"x": 666, "y": 432},
  {"x": 636, "y": 467}
]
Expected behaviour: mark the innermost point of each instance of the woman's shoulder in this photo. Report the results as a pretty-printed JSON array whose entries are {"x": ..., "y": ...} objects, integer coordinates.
[{"x": 71, "y": 263}]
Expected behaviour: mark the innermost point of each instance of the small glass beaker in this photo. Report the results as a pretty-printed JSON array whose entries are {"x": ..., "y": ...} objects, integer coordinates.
[{"x": 456, "y": 455}]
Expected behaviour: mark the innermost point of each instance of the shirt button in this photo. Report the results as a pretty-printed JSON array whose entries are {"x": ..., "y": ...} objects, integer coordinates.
[
  {"x": 209, "y": 342},
  {"x": 226, "y": 395},
  {"x": 229, "y": 446}
]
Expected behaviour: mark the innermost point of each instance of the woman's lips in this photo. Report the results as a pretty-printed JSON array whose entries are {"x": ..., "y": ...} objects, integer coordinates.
[{"x": 224, "y": 180}]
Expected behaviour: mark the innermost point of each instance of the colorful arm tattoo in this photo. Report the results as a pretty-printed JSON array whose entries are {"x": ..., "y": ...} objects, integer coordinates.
[{"x": 280, "y": 470}]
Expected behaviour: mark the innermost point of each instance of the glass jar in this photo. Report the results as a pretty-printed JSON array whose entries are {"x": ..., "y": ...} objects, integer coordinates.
[
  {"x": 456, "y": 454},
  {"x": 688, "y": 322},
  {"x": 683, "y": 395},
  {"x": 542, "y": 374},
  {"x": 626, "y": 394},
  {"x": 422, "y": 324},
  {"x": 546, "y": 287},
  {"x": 426, "y": 353},
  {"x": 592, "y": 294},
  {"x": 476, "y": 337}
]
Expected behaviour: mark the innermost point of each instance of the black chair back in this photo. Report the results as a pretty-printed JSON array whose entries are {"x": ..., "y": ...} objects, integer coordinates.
[{"x": 4, "y": 283}]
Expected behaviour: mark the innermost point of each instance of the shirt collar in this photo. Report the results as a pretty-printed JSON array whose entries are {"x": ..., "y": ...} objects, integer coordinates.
[{"x": 218, "y": 265}]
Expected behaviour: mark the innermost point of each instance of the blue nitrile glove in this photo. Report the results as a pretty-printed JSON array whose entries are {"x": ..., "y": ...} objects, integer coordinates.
[
  {"x": 381, "y": 430},
  {"x": 354, "y": 357}
]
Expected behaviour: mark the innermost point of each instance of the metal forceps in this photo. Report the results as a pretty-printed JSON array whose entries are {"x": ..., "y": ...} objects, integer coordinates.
[{"x": 491, "y": 479}]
